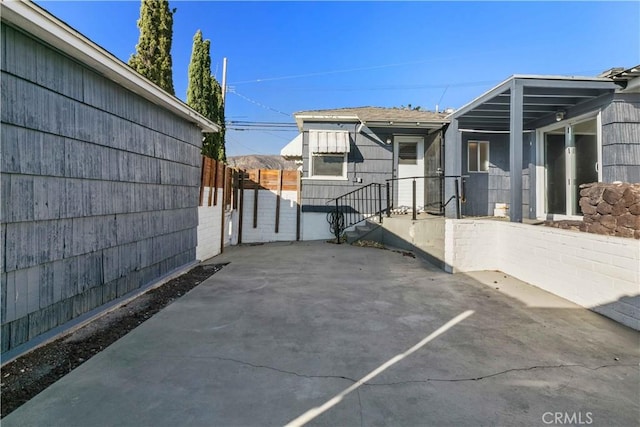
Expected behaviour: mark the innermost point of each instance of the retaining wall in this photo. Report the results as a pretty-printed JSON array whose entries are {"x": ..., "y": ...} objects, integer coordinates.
[
  {"x": 598, "y": 272},
  {"x": 611, "y": 209}
]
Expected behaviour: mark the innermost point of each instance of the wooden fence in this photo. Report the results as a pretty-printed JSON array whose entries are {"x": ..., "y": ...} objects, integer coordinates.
[
  {"x": 239, "y": 185},
  {"x": 215, "y": 174}
]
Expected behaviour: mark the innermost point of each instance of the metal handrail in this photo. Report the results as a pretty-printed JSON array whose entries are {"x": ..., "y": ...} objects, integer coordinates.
[
  {"x": 349, "y": 207},
  {"x": 459, "y": 193}
]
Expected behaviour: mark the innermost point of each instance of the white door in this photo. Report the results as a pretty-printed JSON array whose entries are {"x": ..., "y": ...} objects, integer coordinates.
[{"x": 409, "y": 159}]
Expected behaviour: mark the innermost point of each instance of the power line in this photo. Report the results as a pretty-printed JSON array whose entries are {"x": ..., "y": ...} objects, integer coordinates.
[
  {"x": 374, "y": 67},
  {"x": 260, "y": 124},
  {"x": 253, "y": 101},
  {"x": 259, "y": 129},
  {"x": 235, "y": 141}
]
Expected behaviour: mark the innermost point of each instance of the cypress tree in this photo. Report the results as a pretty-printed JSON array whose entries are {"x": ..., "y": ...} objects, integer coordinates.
[
  {"x": 153, "y": 51},
  {"x": 204, "y": 95},
  {"x": 219, "y": 119}
]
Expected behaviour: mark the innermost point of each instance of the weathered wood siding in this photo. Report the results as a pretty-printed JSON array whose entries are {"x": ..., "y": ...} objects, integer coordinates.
[
  {"x": 621, "y": 139},
  {"x": 368, "y": 159},
  {"x": 99, "y": 189},
  {"x": 434, "y": 166},
  {"x": 485, "y": 189}
]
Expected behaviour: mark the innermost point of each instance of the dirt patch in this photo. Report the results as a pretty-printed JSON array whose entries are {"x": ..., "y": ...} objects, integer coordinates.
[{"x": 28, "y": 375}]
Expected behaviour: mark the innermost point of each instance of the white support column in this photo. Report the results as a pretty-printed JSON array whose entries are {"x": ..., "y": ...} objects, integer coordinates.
[{"x": 515, "y": 151}]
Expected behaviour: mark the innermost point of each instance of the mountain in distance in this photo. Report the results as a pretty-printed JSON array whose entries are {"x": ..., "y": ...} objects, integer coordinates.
[{"x": 261, "y": 161}]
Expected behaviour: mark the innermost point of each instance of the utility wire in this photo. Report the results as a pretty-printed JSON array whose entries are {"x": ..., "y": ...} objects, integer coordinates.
[
  {"x": 375, "y": 67},
  {"x": 253, "y": 101},
  {"x": 235, "y": 141}
]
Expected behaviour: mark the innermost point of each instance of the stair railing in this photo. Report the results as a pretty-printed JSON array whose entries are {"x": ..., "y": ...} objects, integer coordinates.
[
  {"x": 438, "y": 207},
  {"x": 355, "y": 207}
]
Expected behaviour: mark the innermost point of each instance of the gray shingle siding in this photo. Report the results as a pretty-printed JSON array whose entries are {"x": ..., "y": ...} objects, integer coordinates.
[
  {"x": 99, "y": 189},
  {"x": 485, "y": 189},
  {"x": 368, "y": 159},
  {"x": 621, "y": 139}
]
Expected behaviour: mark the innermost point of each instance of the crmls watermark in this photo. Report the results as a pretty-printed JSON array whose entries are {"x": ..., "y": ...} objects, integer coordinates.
[{"x": 567, "y": 418}]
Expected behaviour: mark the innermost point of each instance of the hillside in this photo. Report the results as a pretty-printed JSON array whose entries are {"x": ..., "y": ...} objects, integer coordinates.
[{"x": 261, "y": 162}]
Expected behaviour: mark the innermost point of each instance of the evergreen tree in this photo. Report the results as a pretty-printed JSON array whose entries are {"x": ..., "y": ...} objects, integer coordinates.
[
  {"x": 219, "y": 119},
  {"x": 153, "y": 51},
  {"x": 205, "y": 95}
]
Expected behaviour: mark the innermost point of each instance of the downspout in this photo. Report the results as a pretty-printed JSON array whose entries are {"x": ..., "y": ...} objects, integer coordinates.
[{"x": 356, "y": 132}]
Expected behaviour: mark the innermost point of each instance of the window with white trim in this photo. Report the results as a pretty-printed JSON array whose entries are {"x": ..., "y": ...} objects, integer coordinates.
[
  {"x": 478, "y": 156},
  {"x": 328, "y": 154},
  {"x": 328, "y": 165}
]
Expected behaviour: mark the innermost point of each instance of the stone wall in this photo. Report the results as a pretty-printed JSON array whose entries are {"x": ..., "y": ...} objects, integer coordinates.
[{"x": 611, "y": 209}]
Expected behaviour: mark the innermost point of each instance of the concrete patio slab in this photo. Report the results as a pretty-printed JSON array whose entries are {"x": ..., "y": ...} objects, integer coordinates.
[{"x": 340, "y": 335}]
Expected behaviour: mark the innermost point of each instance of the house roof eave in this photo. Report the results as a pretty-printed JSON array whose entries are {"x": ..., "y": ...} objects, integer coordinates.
[
  {"x": 301, "y": 118},
  {"x": 51, "y": 30}
]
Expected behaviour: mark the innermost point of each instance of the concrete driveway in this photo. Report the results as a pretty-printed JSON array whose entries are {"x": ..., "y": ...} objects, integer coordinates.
[{"x": 337, "y": 335}]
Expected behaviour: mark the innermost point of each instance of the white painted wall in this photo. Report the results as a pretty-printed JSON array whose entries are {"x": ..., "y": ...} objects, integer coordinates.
[
  {"x": 265, "y": 230},
  {"x": 470, "y": 245},
  {"x": 597, "y": 272},
  {"x": 315, "y": 226},
  {"x": 209, "y": 227}
]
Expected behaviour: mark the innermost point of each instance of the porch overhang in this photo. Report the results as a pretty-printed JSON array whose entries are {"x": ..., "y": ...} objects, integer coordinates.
[
  {"x": 520, "y": 104},
  {"x": 542, "y": 97}
]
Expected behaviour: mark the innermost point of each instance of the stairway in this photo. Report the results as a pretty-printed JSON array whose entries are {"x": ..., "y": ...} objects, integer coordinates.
[{"x": 369, "y": 230}]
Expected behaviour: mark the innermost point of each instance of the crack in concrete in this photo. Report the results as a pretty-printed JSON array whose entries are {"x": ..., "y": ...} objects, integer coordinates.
[
  {"x": 506, "y": 371},
  {"x": 271, "y": 368},
  {"x": 373, "y": 384}
]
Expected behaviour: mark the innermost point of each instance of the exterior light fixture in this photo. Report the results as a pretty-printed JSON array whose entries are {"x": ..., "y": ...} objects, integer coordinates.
[
  {"x": 388, "y": 140},
  {"x": 560, "y": 115}
]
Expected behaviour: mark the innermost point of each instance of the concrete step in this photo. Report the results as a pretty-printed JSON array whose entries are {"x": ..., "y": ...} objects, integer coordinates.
[{"x": 367, "y": 231}]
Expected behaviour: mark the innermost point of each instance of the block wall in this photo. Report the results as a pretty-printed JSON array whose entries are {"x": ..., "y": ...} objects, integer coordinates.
[
  {"x": 210, "y": 227},
  {"x": 598, "y": 272},
  {"x": 266, "y": 220}
]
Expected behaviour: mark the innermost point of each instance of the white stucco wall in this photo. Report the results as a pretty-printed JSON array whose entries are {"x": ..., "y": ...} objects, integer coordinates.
[{"x": 597, "y": 272}]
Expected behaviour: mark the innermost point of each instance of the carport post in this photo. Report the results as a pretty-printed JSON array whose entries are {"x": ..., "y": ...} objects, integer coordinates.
[{"x": 515, "y": 151}]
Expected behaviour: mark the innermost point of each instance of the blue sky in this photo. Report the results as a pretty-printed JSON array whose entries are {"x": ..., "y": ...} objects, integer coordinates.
[{"x": 285, "y": 57}]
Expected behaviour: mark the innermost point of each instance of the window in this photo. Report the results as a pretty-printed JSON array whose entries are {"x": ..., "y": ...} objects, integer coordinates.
[
  {"x": 408, "y": 153},
  {"x": 328, "y": 154},
  {"x": 478, "y": 156},
  {"x": 328, "y": 165}
]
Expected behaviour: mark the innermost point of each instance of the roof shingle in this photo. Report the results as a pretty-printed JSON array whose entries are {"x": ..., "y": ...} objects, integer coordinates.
[{"x": 379, "y": 114}]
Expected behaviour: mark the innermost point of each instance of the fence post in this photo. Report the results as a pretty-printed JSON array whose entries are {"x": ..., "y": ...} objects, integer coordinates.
[
  {"x": 241, "y": 206},
  {"x": 457, "y": 199},
  {"x": 413, "y": 201},
  {"x": 223, "y": 206},
  {"x": 298, "y": 201},
  {"x": 202, "y": 180},
  {"x": 278, "y": 197},
  {"x": 336, "y": 226},
  {"x": 256, "y": 189},
  {"x": 380, "y": 202},
  {"x": 388, "y": 201}
]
